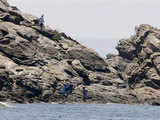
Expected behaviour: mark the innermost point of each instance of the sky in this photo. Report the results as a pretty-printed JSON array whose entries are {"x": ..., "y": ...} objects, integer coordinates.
[{"x": 97, "y": 24}]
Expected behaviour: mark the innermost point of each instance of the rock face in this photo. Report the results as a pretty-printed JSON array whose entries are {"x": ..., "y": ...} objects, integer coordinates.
[
  {"x": 141, "y": 72},
  {"x": 34, "y": 64}
]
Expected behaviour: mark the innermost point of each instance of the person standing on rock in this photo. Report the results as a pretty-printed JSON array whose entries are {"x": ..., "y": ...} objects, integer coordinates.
[
  {"x": 41, "y": 22},
  {"x": 84, "y": 94}
]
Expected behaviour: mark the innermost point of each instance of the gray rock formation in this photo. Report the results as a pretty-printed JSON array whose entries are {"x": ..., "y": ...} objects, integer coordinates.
[
  {"x": 35, "y": 63},
  {"x": 142, "y": 70}
]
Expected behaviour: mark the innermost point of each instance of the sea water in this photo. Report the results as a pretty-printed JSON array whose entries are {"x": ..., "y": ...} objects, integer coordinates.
[{"x": 79, "y": 112}]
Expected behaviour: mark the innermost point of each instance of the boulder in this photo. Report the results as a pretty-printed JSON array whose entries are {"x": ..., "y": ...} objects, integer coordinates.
[{"x": 89, "y": 59}]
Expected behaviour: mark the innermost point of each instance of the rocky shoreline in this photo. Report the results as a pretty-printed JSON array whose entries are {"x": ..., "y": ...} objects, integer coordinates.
[{"x": 34, "y": 63}]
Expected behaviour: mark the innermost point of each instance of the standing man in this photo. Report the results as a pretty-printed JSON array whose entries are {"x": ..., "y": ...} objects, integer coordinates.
[
  {"x": 41, "y": 22},
  {"x": 84, "y": 94}
]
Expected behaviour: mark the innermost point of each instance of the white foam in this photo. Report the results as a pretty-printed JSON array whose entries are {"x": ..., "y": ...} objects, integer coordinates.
[{"x": 6, "y": 104}]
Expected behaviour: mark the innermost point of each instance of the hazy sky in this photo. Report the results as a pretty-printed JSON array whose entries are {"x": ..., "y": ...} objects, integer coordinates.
[{"x": 98, "y": 24}]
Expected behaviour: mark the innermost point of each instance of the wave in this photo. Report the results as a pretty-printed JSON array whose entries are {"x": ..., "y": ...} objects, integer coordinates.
[{"x": 5, "y": 104}]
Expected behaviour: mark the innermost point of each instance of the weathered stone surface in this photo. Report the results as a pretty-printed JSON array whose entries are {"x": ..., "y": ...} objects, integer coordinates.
[
  {"x": 147, "y": 95},
  {"x": 142, "y": 71},
  {"x": 89, "y": 59},
  {"x": 35, "y": 63}
]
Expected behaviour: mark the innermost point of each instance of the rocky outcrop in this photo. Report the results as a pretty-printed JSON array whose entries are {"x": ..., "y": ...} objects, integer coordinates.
[
  {"x": 35, "y": 63},
  {"x": 142, "y": 69}
]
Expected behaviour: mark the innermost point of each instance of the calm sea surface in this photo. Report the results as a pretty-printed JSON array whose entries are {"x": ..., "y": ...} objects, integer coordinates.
[{"x": 79, "y": 112}]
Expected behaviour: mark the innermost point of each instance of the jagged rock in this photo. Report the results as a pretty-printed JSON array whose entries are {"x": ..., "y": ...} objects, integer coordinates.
[
  {"x": 126, "y": 48},
  {"x": 156, "y": 61},
  {"x": 4, "y": 2},
  {"x": 35, "y": 63},
  {"x": 147, "y": 94},
  {"x": 101, "y": 94},
  {"x": 142, "y": 70},
  {"x": 89, "y": 59}
]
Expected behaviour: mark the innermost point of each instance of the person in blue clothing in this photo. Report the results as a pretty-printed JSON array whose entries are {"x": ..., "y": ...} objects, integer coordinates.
[
  {"x": 66, "y": 90},
  {"x": 41, "y": 22},
  {"x": 84, "y": 94}
]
